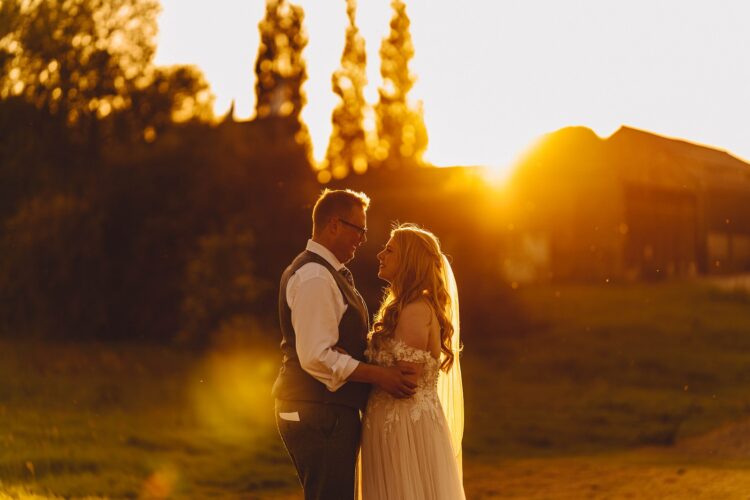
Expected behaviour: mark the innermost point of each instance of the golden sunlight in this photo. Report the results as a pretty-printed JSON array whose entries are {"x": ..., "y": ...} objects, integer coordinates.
[
  {"x": 230, "y": 392},
  {"x": 494, "y": 76}
]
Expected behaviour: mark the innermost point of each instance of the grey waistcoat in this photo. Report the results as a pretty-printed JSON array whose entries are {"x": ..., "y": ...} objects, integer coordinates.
[{"x": 295, "y": 384}]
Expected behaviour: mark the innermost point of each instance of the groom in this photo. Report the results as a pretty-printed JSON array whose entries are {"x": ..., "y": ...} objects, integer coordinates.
[{"x": 324, "y": 381}]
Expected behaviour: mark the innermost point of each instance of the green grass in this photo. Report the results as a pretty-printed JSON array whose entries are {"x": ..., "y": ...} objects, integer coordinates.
[
  {"x": 609, "y": 367},
  {"x": 128, "y": 421},
  {"x": 598, "y": 370}
]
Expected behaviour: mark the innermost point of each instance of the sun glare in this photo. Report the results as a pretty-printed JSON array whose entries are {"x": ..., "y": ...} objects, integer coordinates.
[
  {"x": 230, "y": 392},
  {"x": 493, "y": 76}
]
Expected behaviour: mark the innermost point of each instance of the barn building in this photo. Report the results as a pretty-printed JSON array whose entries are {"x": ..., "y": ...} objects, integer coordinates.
[{"x": 632, "y": 206}]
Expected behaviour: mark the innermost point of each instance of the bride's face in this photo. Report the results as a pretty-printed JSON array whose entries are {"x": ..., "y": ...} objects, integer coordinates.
[{"x": 388, "y": 258}]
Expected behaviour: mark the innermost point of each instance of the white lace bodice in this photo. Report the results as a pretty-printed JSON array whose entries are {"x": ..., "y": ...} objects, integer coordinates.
[{"x": 424, "y": 403}]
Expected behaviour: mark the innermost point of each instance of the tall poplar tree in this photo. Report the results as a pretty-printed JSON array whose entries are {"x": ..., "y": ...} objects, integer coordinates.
[
  {"x": 280, "y": 67},
  {"x": 347, "y": 148},
  {"x": 401, "y": 131}
]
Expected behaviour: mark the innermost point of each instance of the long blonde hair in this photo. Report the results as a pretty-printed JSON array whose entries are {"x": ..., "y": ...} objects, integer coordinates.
[{"x": 420, "y": 275}]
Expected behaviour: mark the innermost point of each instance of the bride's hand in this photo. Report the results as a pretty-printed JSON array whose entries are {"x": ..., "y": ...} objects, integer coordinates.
[{"x": 341, "y": 350}]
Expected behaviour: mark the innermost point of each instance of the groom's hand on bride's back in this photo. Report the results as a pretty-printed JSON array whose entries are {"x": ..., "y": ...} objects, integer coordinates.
[{"x": 398, "y": 381}]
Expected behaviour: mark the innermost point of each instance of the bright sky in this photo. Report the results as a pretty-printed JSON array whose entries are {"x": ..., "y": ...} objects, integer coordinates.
[{"x": 495, "y": 74}]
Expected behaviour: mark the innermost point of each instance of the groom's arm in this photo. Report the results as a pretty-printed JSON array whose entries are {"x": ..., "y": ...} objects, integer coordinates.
[
  {"x": 399, "y": 381},
  {"x": 317, "y": 307}
]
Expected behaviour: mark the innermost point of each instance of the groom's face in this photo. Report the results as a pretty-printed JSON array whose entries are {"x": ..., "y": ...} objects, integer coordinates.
[{"x": 349, "y": 234}]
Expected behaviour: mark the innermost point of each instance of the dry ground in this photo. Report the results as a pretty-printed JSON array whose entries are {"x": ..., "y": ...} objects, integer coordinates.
[{"x": 712, "y": 466}]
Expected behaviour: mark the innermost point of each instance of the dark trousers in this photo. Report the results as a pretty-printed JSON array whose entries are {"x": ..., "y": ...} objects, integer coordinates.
[{"x": 323, "y": 445}]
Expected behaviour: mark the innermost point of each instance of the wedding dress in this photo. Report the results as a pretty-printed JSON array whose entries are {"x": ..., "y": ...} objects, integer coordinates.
[{"x": 408, "y": 450}]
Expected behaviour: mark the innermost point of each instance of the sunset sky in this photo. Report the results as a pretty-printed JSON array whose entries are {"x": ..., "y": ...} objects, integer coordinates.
[{"x": 495, "y": 74}]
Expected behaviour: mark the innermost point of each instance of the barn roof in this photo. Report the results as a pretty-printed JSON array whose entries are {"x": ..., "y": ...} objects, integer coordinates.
[{"x": 707, "y": 167}]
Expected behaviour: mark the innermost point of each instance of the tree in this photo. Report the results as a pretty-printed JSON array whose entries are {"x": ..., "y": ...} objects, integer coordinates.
[
  {"x": 174, "y": 94},
  {"x": 347, "y": 147},
  {"x": 83, "y": 61},
  {"x": 27, "y": 149},
  {"x": 50, "y": 270},
  {"x": 77, "y": 59},
  {"x": 280, "y": 68},
  {"x": 401, "y": 131},
  {"x": 220, "y": 282}
]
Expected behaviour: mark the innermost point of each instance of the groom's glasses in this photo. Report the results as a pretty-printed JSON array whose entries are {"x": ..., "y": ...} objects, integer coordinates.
[{"x": 361, "y": 230}]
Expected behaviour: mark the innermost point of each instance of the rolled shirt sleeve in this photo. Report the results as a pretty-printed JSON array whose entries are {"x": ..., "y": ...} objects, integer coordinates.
[{"x": 317, "y": 308}]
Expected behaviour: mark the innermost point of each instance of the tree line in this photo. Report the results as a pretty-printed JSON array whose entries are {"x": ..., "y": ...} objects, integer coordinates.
[
  {"x": 127, "y": 209},
  {"x": 399, "y": 138}
]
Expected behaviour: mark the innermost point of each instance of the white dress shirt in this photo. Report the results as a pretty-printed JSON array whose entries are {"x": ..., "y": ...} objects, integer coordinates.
[{"x": 317, "y": 308}]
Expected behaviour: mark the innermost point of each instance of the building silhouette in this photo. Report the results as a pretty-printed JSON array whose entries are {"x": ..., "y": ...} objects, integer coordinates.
[{"x": 632, "y": 206}]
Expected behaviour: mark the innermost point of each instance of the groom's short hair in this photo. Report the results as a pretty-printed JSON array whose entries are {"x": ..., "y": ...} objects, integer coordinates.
[{"x": 336, "y": 203}]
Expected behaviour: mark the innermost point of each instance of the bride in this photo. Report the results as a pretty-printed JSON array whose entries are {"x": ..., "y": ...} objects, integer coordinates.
[{"x": 411, "y": 448}]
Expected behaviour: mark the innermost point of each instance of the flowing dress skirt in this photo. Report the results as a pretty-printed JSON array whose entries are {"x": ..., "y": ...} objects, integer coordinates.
[{"x": 406, "y": 449}]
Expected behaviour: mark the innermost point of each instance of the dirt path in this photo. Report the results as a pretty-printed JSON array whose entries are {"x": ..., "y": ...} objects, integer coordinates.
[
  {"x": 636, "y": 475},
  {"x": 641, "y": 475},
  {"x": 730, "y": 283},
  {"x": 713, "y": 466}
]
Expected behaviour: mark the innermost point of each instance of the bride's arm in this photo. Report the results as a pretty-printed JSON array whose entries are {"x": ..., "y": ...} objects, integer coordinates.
[{"x": 413, "y": 329}]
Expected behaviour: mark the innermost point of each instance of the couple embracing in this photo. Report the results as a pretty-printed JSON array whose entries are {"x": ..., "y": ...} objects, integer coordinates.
[{"x": 391, "y": 391}]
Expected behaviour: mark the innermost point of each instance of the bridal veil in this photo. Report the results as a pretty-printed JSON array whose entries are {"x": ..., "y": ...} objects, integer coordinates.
[{"x": 450, "y": 387}]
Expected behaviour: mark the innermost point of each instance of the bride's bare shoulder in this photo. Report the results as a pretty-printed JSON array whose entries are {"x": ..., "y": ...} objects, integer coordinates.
[
  {"x": 414, "y": 324},
  {"x": 418, "y": 311}
]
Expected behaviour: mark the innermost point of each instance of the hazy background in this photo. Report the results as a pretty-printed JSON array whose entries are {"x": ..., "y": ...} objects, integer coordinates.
[
  {"x": 495, "y": 75},
  {"x": 144, "y": 225}
]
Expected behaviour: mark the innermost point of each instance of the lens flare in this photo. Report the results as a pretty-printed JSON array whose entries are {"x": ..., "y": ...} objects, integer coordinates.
[{"x": 232, "y": 393}]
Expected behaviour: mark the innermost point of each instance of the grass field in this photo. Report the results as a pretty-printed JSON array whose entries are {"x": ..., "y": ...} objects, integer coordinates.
[{"x": 627, "y": 391}]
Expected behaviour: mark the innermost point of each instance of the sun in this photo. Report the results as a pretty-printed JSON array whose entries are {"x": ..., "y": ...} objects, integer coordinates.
[{"x": 494, "y": 76}]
